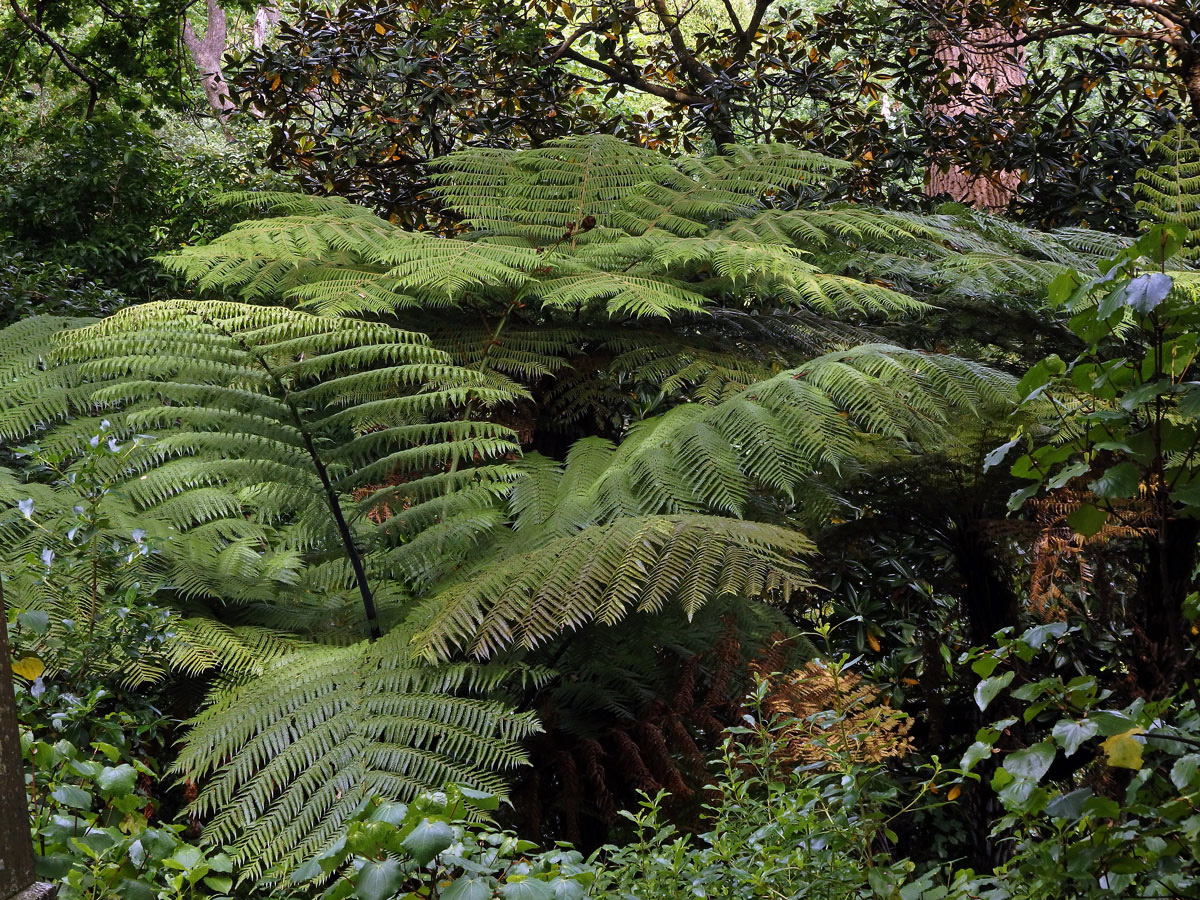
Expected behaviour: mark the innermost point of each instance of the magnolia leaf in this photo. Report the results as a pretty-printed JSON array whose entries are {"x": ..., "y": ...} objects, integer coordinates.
[
  {"x": 30, "y": 668},
  {"x": 1124, "y": 750}
]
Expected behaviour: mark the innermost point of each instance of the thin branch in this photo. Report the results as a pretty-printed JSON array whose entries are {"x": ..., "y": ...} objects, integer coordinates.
[
  {"x": 742, "y": 48},
  {"x": 566, "y": 44},
  {"x": 636, "y": 81},
  {"x": 670, "y": 22},
  {"x": 63, "y": 54}
]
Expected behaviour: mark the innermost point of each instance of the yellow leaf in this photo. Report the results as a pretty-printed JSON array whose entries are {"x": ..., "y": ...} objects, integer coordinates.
[
  {"x": 379, "y": 28},
  {"x": 336, "y": 77},
  {"x": 873, "y": 641},
  {"x": 275, "y": 82},
  {"x": 30, "y": 668},
  {"x": 1124, "y": 750},
  {"x": 954, "y": 792}
]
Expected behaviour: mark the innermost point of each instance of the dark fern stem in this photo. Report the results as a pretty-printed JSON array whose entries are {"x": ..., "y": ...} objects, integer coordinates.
[{"x": 331, "y": 497}]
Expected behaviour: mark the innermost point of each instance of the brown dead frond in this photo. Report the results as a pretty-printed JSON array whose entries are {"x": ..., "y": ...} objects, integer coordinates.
[
  {"x": 829, "y": 715},
  {"x": 1062, "y": 558}
]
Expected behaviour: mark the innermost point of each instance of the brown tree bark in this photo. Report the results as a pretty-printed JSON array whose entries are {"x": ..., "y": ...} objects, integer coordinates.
[
  {"x": 16, "y": 853},
  {"x": 206, "y": 53},
  {"x": 981, "y": 62},
  {"x": 265, "y": 19}
]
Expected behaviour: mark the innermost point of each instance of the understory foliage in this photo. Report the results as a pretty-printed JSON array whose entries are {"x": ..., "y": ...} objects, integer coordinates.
[{"x": 393, "y": 499}]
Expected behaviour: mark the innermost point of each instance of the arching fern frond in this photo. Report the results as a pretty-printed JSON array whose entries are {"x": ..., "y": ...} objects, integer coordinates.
[
  {"x": 605, "y": 572},
  {"x": 375, "y": 722}
]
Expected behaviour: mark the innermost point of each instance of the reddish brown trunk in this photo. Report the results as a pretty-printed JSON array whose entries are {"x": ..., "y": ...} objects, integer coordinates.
[
  {"x": 982, "y": 62},
  {"x": 16, "y": 853}
]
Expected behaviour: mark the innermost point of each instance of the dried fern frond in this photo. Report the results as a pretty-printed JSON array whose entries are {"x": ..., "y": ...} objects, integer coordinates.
[{"x": 825, "y": 715}]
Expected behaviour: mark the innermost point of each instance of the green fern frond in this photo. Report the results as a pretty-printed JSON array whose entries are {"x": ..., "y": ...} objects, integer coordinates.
[
  {"x": 605, "y": 572},
  {"x": 1170, "y": 193},
  {"x": 375, "y": 723}
]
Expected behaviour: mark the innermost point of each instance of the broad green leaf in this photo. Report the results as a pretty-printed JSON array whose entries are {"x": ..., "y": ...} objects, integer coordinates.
[
  {"x": 526, "y": 889},
  {"x": 391, "y": 811},
  {"x": 427, "y": 840},
  {"x": 1066, "y": 474},
  {"x": 1069, "y": 806},
  {"x": 73, "y": 797},
  {"x": 1119, "y": 481},
  {"x": 117, "y": 781},
  {"x": 187, "y": 856},
  {"x": 1087, "y": 520},
  {"x": 379, "y": 879},
  {"x": 36, "y": 620},
  {"x": 1070, "y": 735},
  {"x": 1062, "y": 286},
  {"x": 467, "y": 889},
  {"x": 481, "y": 800},
  {"x": 1161, "y": 242},
  {"x": 137, "y": 890},
  {"x": 979, "y": 750},
  {"x": 986, "y": 690},
  {"x": 1145, "y": 292},
  {"x": 567, "y": 889},
  {"x": 1183, "y": 773},
  {"x": 995, "y": 457},
  {"x": 1032, "y": 762}
]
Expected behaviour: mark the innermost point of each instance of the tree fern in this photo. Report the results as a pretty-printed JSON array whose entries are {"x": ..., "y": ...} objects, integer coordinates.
[{"x": 306, "y": 463}]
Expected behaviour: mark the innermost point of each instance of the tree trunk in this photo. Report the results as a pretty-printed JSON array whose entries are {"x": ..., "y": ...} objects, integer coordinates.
[
  {"x": 206, "y": 53},
  {"x": 988, "y": 599},
  {"x": 1159, "y": 625},
  {"x": 982, "y": 62},
  {"x": 265, "y": 19},
  {"x": 16, "y": 853},
  {"x": 1191, "y": 82}
]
